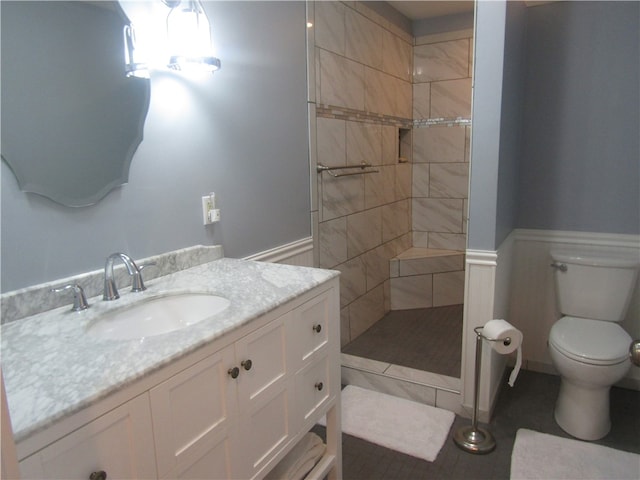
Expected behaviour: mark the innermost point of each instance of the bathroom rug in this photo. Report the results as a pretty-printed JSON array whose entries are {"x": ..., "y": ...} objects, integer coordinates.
[
  {"x": 395, "y": 423},
  {"x": 542, "y": 456}
]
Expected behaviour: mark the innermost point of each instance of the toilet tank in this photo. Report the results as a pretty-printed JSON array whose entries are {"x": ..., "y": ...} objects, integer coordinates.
[{"x": 595, "y": 284}]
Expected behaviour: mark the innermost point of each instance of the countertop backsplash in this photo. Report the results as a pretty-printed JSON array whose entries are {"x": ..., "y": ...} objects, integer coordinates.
[{"x": 39, "y": 298}]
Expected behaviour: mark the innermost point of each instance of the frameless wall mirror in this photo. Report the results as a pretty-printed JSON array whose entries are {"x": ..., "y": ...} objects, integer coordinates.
[{"x": 71, "y": 118}]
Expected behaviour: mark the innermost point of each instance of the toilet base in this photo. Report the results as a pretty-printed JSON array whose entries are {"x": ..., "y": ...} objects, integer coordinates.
[{"x": 582, "y": 411}]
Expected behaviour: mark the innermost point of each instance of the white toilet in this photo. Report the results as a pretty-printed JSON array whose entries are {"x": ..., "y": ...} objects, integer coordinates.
[{"x": 588, "y": 347}]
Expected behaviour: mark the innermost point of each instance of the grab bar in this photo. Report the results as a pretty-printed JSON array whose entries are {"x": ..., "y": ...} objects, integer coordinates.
[{"x": 322, "y": 168}]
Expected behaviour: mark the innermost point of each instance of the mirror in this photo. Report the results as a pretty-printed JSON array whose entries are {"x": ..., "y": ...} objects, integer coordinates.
[{"x": 71, "y": 119}]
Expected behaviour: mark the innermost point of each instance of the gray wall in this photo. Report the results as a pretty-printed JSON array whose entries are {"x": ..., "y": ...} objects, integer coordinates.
[
  {"x": 581, "y": 160},
  {"x": 242, "y": 133}
]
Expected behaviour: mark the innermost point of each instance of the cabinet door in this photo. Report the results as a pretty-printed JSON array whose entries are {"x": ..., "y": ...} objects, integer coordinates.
[
  {"x": 119, "y": 443},
  {"x": 309, "y": 326},
  {"x": 265, "y": 392},
  {"x": 193, "y": 419}
]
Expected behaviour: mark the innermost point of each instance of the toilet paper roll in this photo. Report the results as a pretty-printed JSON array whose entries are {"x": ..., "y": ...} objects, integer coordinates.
[{"x": 505, "y": 340}]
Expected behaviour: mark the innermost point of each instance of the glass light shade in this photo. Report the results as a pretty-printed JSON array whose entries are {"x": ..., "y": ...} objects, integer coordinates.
[
  {"x": 135, "y": 66},
  {"x": 190, "y": 38}
]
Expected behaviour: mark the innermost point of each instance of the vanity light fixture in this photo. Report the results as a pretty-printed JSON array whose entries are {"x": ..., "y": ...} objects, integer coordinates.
[
  {"x": 134, "y": 65},
  {"x": 189, "y": 37}
]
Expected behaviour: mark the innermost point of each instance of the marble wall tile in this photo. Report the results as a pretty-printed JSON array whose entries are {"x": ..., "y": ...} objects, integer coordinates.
[
  {"x": 396, "y": 219},
  {"x": 332, "y": 237},
  {"x": 420, "y": 239},
  {"x": 467, "y": 144},
  {"x": 353, "y": 281},
  {"x": 404, "y": 98},
  {"x": 396, "y": 56},
  {"x": 364, "y": 143},
  {"x": 449, "y": 180},
  {"x": 448, "y": 288},
  {"x": 451, "y": 99},
  {"x": 363, "y": 40},
  {"x": 366, "y": 310},
  {"x": 364, "y": 231},
  {"x": 394, "y": 268},
  {"x": 341, "y": 81},
  {"x": 345, "y": 330},
  {"x": 330, "y": 26},
  {"x": 377, "y": 264},
  {"x": 438, "y": 144},
  {"x": 389, "y": 145},
  {"x": 379, "y": 188},
  {"x": 437, "y": 215},
  {"x": 449, "y": 241},
  {"x": 380, "y": 96},
  {"x": 331, "y": 141},
  {"x": 411, "y": 292},
  {"x": 433, "y": 264},
  {"x": 441, "y": 61},
  {"x": 403, "y": 181},
  {"x": 420, "y": 182},
  {"x": 341, "y": 196},
  {"x": 421, "y": 101}
]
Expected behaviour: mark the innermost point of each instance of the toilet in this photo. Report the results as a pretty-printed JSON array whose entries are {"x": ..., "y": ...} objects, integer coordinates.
[{"x": 587, "y": 345}]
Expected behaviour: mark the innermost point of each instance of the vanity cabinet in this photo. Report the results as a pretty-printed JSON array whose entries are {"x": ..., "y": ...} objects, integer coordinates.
[
  {"x": 233, "y": 411},
  {"x": 117, "y": 443}
]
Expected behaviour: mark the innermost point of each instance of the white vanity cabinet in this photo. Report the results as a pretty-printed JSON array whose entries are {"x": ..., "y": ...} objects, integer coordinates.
[
  {"x": 232, "y": 409},
  {"x": 118, "y": 443}
]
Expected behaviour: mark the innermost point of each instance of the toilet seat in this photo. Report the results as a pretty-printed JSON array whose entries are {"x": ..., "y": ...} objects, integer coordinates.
[{"x": 589, "y": 341}]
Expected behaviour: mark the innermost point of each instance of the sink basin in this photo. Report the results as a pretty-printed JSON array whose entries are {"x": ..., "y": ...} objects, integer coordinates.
[{"x": 157, "y": 315}]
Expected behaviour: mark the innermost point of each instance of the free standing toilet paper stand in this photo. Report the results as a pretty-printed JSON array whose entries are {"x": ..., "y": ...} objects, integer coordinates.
[{"x": 472, "y": 438}]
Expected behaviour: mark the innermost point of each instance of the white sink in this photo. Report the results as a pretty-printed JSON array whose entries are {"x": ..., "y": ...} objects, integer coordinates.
[{"x": 157, "y": 315}]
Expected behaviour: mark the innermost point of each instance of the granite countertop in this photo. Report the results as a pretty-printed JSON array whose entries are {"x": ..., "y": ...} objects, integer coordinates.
[{"x": 53, "y": 368}]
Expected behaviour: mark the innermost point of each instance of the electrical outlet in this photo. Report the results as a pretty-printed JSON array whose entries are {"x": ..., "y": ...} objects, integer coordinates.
[{"x": 209, "y": 212}]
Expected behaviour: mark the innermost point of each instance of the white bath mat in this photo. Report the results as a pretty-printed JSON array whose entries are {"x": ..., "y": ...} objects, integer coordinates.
[
  {"x": 395, "y": 423},
  {"x": 541, "y": 456}
]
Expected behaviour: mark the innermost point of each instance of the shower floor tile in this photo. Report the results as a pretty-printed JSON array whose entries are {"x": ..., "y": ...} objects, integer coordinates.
[{"x": 428, "y": 339}]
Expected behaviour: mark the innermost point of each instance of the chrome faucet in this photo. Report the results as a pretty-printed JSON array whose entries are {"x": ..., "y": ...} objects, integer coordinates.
[{"x": 110, "y": 289}]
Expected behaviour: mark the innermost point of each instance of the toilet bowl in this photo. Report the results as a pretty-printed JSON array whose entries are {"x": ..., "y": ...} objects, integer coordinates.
[{"x": 588, "y": 347}]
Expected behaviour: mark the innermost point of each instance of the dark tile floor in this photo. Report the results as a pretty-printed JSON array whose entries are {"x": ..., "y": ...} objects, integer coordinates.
[
  {"x": 431, "y": 340},
  {"x": 529, "y": 404}
]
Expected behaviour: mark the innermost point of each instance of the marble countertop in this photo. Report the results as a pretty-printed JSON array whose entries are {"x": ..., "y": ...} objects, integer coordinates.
[{"x": 52, "y": 368}]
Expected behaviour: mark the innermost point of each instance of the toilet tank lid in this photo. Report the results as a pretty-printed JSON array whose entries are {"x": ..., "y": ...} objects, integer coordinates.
[{"x": 620, "y": 259}]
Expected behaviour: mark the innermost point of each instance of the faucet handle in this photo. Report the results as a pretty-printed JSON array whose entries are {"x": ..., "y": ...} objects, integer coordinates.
[
  {"x": 79, "y": 299},
  {"x": 137, "y": 285}
]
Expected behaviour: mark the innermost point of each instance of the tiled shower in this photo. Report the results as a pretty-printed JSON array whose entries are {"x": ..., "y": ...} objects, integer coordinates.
[{"x": 403, "y": 105}]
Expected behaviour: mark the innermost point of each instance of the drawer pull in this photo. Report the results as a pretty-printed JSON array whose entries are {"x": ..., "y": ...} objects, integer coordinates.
[
  {"x": 317, "y": 328},
  {"x": 99, "y": 475},
  {"x": 246, "y": 364},
  {"x": 319, "y": 386},
  {"x": 234, "y": 372}
]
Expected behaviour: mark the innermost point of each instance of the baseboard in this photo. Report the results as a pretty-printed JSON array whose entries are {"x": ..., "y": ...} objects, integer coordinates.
[{"x": 298, "y": 253}]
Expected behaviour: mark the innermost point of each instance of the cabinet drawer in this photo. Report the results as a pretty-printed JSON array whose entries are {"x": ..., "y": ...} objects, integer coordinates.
[
  {"x": 309, "y": 327},
  {"x": 119, "y": 443},
  {"x": 313, "y": 388}
]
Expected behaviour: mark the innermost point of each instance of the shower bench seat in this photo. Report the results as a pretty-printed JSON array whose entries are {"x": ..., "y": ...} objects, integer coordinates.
[{"x": 426, "y": 277}]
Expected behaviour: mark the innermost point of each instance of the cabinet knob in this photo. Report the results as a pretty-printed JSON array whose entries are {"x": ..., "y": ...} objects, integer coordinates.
[
  {"x": 246, "y": 364},
  {"x": 319, "y": 386},
  {"x": 317, "y": 328},
  {"x": 99, "y": 475},
  {"x": 234, "y": 372}
]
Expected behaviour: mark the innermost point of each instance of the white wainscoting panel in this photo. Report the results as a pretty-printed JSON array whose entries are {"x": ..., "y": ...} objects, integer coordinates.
[{"x": 298, "y": 253}]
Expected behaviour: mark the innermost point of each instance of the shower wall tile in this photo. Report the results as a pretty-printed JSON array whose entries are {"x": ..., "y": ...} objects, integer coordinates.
[
  {"x": 449, "y": 180},
  {"x": 451, "y": 99},
  {"x": 404, "y": 98},
  {"x": 448, "y": 288},
  {"x": 420, "y": 180},
  {"x": 411, "y": 292},
  {"x": 376, "y": 262},
  {"x": 438, "y": 144},
  {"x": 380, "y": 96},
  {"x": 345, "y": 335},
  {"x": 364, "y": 143},
  {"x": 421, "y": 239},
  {"x": 396, "y": 220},
  {"x": 441, "y": 61},
  {"x": 389, "y": 145},
  {"x": 467, "y": 144},
  {"x": 366, "y": 310},
  {"x": 451, "y": 241},
  {"x": 437, "y": 215},
  {"x": 341, "y": 196},
  {"x": 353, "y": 281},
  {"x": 431, "y": 264},
  {"x": 333, "y": 242},
  {"x": 363, "y": 39},
  {"x": 341, "y": 81},
  {"x": 364, "y": 231},
  {"x": 331, "y": 141},
  {"x": 330, "y": 26},
  {"x": 421, "y": 100},
  {"x": 403, "y": 181},
  {"x": 396, "y": 56},
  {"x": 379, "y": 188}
]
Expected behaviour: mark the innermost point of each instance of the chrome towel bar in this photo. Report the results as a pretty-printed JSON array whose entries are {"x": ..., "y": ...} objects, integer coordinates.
[{"x": 363, "y": 166}]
